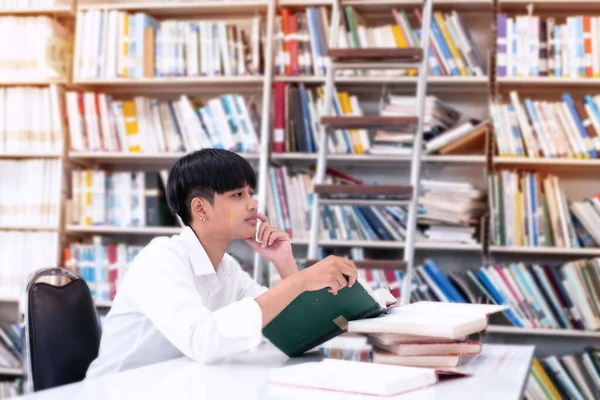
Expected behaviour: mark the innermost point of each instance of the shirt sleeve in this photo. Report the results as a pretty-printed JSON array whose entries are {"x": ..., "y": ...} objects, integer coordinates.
[
  {"x": 161, "y": 283},
  {"x": 247, "y": 287}
]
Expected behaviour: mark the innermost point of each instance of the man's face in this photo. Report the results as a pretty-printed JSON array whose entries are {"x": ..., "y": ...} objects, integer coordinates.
[{"x": 234, "y": 213}]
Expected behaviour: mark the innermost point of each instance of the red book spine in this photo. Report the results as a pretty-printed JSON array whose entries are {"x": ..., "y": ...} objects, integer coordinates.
[
  {"x": 293, "y": 32},
  {"x": 113, "y": 271},
  {"x": 279, "y": 118}
]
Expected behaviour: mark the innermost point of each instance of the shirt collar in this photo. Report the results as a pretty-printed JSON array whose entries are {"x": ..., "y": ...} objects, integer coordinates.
[{"x": 198, "y": 258}]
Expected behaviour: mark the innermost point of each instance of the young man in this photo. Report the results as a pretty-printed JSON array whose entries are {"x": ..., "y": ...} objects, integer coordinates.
[{"x": 184, "y": 296}]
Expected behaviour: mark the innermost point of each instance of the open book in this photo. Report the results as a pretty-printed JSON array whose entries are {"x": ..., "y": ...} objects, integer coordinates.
[
  {"x": 315, "y": 317},
  {"x": 429, "y": 318},
  {"x": 353, "y": 377}
]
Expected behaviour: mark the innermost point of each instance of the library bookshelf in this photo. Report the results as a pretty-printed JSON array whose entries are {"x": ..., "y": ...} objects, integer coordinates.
[{"x": 489, "y": 87}]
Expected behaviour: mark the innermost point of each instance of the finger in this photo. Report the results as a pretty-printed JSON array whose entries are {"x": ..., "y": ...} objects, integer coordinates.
[
  {"x": 261, "y": 232},
  {"x": 267, "y": 235},
  {"x": 253, "y": 243},
  {"x": 277, "y": 235},
  {"x": 341, "y": 281},
  {"x": 262, "y": 217},
  {"x": 351, "y": 272}
]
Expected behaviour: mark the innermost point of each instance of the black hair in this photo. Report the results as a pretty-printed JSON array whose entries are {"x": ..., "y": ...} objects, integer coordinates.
[{"x": 203, "y": 173}]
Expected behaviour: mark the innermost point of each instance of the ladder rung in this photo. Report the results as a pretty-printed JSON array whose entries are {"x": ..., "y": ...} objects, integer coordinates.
[
  {"x": 364, "y": 191},
  {"x": 377, "y": 55},
  {"x": 363, "y": 202},
  {"x": 371, "y": 264},
  {"x": 367, "y": 121}
]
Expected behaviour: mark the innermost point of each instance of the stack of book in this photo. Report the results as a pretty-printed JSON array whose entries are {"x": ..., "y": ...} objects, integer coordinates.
[
  {"x": 122, "y": 199},
  {"x": 450, "y": 211},
  {"x": 464, "y": 138},
  {"x": 112, "y": 43},
  {"x": 572, "y": 376},
  {"x": 99, "y": 122},
  {"x": 530, "y": 209},
  {"x": 548, "y": 129},
  {"x": 425, "y": 334},
  {"x": 530, "y": 45},
  {"x": 439, "y": 117}
]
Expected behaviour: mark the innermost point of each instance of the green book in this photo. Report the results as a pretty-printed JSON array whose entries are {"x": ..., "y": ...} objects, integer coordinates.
[{"x": 315, "y": 317}]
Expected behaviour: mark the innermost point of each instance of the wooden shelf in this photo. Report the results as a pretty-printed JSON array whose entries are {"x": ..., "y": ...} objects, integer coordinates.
[
  {"x": 29, "y": 155},
  {"x": 362, "y": 202},
  {"x": 136, "y": 158},
  {"x": 523, "y": 250},
  {"x": 548, "y": 80},
  {"x": 146, "y": 230},
  {"x": 393, "y": 244},
  {"x": 183, "y": 8},
  {"x": 386, "y": 4},
  {"x": 512, "y": 330},
  {"x": 182, "y": 82},
  {"x": 549, "y": 5},
  {"x": 389, "y": 80},
  {"x": 379, "y": 159},
  {"x": 33, "y": 82},
  {"x": 103, "y": 303},
  {"x": 549, "y": 164},
  {"x": 11, "y": 371},
  {"x": 28, "y": 228},
  {"x": 57, "y": 10},
  {"x": 367, "y": 121}
]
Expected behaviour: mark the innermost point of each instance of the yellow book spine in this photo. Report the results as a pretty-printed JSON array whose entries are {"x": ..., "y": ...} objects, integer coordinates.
[
  {"x": 451, "y": 45},
  {"x": 537, "y": 367},
  {"x": 131, "y": 127},
  {"x": 125, "y": 41},
  {"x": 88, "y": 197},
  {"x": 344, "y": 99},
  {"x": 399, "y": 37}
]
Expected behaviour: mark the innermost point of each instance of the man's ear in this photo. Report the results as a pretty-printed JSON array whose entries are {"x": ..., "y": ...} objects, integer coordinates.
[{"x": 199, "y": 208}]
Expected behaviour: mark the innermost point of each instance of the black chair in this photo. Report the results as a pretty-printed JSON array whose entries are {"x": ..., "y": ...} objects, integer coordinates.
[{"x": 62, "y": 334}]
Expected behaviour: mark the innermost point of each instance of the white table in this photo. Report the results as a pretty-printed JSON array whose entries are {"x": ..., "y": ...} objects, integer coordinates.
[{"x": 500, "y": 373}]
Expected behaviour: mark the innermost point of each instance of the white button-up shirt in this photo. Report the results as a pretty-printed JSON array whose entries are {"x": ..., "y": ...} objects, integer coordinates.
[{"x": 172, "y": 302}]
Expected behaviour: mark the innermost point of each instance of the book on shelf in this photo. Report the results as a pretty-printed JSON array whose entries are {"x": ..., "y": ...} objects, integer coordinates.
[
  {"x": 536, "y": 296},
  {"x": 30, "y": 193},
  {"x": 289, "y": 199},
  {"x": 119, "y": 199},
  {"x": 19, "y": 261},
  {"x": 532, "y": 209},
  {"x": 297, "y": 112},
  {"x": 302, "y": 39},
  {"x": 102, "y": 264},
  {"x": 553, "y": 46},
  {"x": 40, "y": 130},
  {"x": 141, "y": 124},
  {"x": 48, "y": 49},
  {"x": 569, "y": 128},
  {"x": 120, "y": 44},
  {"x": 573, "y": 376},
  {"x": 11, "y": 349}
]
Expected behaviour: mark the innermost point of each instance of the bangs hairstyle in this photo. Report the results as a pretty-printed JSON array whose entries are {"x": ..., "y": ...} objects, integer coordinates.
[{"x": 204, "y": 173}]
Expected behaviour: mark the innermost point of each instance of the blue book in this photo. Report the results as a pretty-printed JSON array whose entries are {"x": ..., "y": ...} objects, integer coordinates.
[
  {"x": 443, "y": 282},
  {"x": 498, "y": 298}
]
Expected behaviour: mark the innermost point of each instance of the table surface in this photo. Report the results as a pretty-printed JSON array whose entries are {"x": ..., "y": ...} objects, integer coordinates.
[{"x": 500, "y": 372}]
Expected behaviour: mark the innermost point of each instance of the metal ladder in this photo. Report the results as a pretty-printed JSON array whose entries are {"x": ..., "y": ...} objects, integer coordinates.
[{"x": 374, "y": 58}]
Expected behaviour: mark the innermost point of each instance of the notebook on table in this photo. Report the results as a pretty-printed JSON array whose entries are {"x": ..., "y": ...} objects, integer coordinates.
[{"x": 351, "y": 377}]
